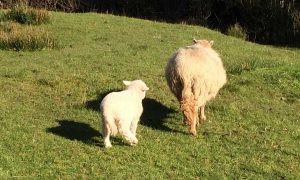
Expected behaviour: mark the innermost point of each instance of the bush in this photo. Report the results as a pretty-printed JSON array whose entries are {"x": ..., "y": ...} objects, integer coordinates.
[
  {"x": 16, "y": 37},
  {"x": 237, "y": 31},
  {"x": 23, "y": 14}
]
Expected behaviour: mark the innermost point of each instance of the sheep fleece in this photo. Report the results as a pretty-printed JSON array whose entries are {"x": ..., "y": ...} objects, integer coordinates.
[{"x": 194, "y": 75}]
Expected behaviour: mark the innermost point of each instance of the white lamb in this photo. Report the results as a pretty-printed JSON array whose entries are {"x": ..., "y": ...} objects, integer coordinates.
[
  {"x": 195, "y": 74},
  {"x": 121, "y": 111}
]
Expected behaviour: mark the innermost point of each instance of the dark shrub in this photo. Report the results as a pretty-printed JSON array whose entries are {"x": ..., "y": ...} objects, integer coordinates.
[{"x": 237, "y": 31}]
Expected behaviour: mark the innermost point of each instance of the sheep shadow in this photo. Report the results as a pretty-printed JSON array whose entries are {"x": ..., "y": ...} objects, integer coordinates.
[{"x": 153, "y": 116}]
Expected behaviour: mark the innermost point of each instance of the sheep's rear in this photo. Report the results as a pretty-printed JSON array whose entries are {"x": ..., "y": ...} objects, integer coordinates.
[{"x": 195, "y": 74}]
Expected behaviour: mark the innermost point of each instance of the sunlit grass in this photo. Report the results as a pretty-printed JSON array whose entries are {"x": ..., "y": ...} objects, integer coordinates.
[{"x": 49, "y": 100}]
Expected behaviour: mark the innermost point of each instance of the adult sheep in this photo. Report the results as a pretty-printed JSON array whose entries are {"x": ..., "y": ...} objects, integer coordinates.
[{"x": 195, "y": 74}]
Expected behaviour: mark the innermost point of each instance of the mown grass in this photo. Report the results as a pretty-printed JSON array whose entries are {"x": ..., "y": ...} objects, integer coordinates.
[{"x": 49, "y": 123}]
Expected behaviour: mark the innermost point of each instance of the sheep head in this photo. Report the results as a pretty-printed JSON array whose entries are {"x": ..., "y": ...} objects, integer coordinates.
[
  {"x": 138, "y": 85},
  {"x": 204, "y": 43}
]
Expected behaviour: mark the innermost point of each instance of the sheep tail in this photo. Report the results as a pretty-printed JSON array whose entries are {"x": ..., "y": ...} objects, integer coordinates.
[{"x": 188, "y": 107}]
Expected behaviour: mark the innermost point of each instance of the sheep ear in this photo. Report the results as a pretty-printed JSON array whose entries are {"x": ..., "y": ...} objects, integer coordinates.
[
  {"x": 195, "y": 40},
  {"x": 211, "y": 43},
  {"x": 146, "y": 88},
  {"x": 127, "y": 83}
]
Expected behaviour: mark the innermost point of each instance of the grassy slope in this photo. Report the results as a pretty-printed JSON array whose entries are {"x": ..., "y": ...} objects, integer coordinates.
[{"x": 49, "y": 99}]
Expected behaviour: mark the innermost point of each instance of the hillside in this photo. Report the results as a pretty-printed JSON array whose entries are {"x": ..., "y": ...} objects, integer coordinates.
[{"x": 49, "y": 99}]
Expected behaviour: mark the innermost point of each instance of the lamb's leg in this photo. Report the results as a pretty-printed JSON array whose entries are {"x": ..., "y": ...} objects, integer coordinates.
[
  {"x": 129, "y": 136},
  {"x": 106, "y": 134},
  {"x": 133, "y": 127},
  {"x": 202, "y": 115}
]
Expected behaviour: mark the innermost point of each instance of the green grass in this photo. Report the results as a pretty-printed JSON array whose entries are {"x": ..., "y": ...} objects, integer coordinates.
[{"x": 49, "y": 100}]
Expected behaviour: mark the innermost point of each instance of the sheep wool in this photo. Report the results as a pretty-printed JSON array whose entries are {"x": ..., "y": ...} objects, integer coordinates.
[
  {"x": 121, "y": 111},
  {"x": 195, "y": 74}
]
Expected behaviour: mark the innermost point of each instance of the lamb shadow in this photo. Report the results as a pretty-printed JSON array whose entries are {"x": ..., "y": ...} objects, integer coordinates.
[
  {"x": 153, "y": 116},
  {"x": 83, "y": 132},
  {"x": 73, "y": 130}
]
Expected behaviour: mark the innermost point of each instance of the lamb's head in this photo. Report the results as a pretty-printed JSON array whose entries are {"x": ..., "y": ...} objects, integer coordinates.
[
  {"x": 138, "y": 85},
  {"x": 204, "y": 43}
]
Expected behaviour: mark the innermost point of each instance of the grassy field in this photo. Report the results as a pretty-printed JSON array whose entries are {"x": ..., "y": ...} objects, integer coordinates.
[{"x": 49, "y": 99}]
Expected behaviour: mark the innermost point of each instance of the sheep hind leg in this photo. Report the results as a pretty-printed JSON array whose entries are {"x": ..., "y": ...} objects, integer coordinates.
[
  {"x": 197, "y": 118},
  {"x": 185, "y": 120},
  {"x": 202, "y": 115},
  {"x": 195, "y": 121},
  {"x": 193, "y": 127}
]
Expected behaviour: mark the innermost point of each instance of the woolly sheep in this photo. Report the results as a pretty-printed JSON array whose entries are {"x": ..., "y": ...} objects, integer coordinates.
[
  {"x": 121, "y": 111},
  {"x": 194, "y": 75}
]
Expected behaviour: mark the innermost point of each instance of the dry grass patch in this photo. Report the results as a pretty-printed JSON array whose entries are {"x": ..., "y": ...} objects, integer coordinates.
[
  {"x": 24, "y": 14},
  {"x": 17, "y": 37}
]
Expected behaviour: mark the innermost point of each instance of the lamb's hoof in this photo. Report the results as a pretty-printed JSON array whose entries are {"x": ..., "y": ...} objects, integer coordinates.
[
  {"x": 134, "y": 142},
  {"x": 107, "y": 145}
]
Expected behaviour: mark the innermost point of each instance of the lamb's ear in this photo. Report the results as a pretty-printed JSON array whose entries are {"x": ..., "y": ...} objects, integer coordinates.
[
  {"x": 195, "y": 40},
  {"x": 211, "y": 43},
  {"x": 146, "y": 88},
  {"x": 127, "y": 83}
]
